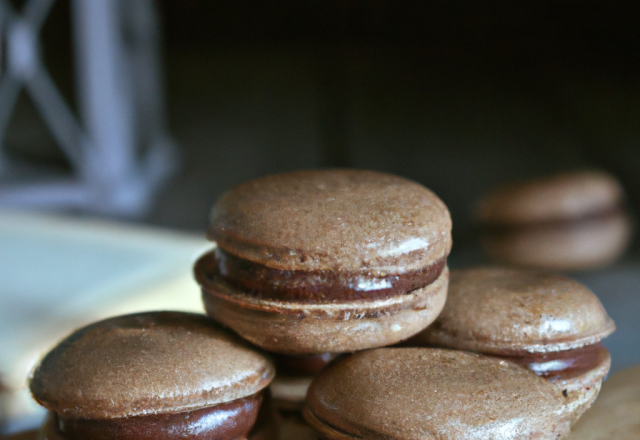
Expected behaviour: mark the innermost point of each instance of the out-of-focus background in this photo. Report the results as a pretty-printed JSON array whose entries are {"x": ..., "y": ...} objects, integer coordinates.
[
  {"x": 121, "y": 122},
  {"x": 457, "y": 95}
]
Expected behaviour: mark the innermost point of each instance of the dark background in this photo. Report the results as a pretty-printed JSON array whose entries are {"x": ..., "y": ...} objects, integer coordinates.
[{"x": 458, "y": 95}]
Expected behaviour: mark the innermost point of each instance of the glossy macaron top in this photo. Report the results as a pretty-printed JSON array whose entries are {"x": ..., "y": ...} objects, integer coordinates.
[
  {"x": 564, "y": 196},
  {"x": 147, "y": 363},
  {"x": 510, "y": 311},
  {"x": 420, "y": 393},
  {"x": 347, "y": 219}
]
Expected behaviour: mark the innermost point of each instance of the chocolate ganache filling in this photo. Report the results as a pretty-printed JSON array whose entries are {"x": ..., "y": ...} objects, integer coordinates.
[
  {"x": 562, "y": 365},
  {"x": 226, "y": 421},
  {"x": 302, "y": 365},
  {"x": 589, "y": 219},
  {"x": 313, "y": 286}
]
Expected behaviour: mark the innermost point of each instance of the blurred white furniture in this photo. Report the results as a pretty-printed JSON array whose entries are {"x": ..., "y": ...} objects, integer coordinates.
[
  {"x": 119, "y": 147},
  {"x": 59, "y": 273}
]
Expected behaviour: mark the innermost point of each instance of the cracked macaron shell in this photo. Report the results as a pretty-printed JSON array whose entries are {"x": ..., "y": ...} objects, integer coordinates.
[
  {"x": 147, "y": 363},
  {"x": 333, "y": 219},
  {"x": 511, "y": 311}
]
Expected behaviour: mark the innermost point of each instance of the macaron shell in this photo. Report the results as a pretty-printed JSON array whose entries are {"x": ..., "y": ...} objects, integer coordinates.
[
  {"x": 616, "y": 413},
  {"x": 583, "y": 245},
  {"x": 299, "y": 328},
  {"x": 510, "y": 311},
  {"x": 580, "y": 392},
  {"x": 422, "y": 393},
  {"x": 333, "y": 219},
  {"x": 561, "y": 196},
  {"x": 148, "y": 363}
]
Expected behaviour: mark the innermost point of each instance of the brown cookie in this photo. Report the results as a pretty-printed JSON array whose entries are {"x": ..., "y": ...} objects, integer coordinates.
[
  {"x": 573, "y": 220},
  {"x": 158, "y": 375},
  {"x": 420, "y": 393},
  {"x": 326, "y": 261},
  {"x": 549, "y": 323}
]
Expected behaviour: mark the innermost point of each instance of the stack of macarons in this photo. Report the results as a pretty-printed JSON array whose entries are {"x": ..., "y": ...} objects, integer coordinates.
[
  {"x": 311, "y": 264},
  {"x": 306, "y": 266},
  {"x": 514, "y": 354},
  {"x": 548, "y": 323},
  {"x": 317, "y": 273}
]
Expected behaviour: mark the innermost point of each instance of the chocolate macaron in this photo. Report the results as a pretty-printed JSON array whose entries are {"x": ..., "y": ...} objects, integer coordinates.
[
  {"x": 425, "y": 393},
  {"x": 332, "y": 261},
  {"x": 573, "y": 220},
  {"x": 158, "y": 375},
  {"x": 548, "y": 323}
]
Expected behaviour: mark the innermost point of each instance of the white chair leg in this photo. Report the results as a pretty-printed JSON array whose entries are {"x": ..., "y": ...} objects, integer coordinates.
[
  {"x": 105, "y": 95},
  {"x": 120, "y": 150}
]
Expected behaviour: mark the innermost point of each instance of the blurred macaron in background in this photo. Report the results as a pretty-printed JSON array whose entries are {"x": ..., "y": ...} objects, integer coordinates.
[{"x": 568, "y": 221}]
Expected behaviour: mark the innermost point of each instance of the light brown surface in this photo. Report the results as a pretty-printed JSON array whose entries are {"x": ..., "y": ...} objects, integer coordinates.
[
  {"x": 148, "y": 363},
  {"x": 623, "y": 387},
  {"x": 616, "y": 413},
  {"x": 567, "y": 195},
  {"x": 422, "y": 393},
  {"x": 300, "y": 328},
  {"x": 289, "y": 392},
  {"x": 333, "y": 219},
  {"x": 568, "y": 246},
  {"x": 502, "y": 311}
]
